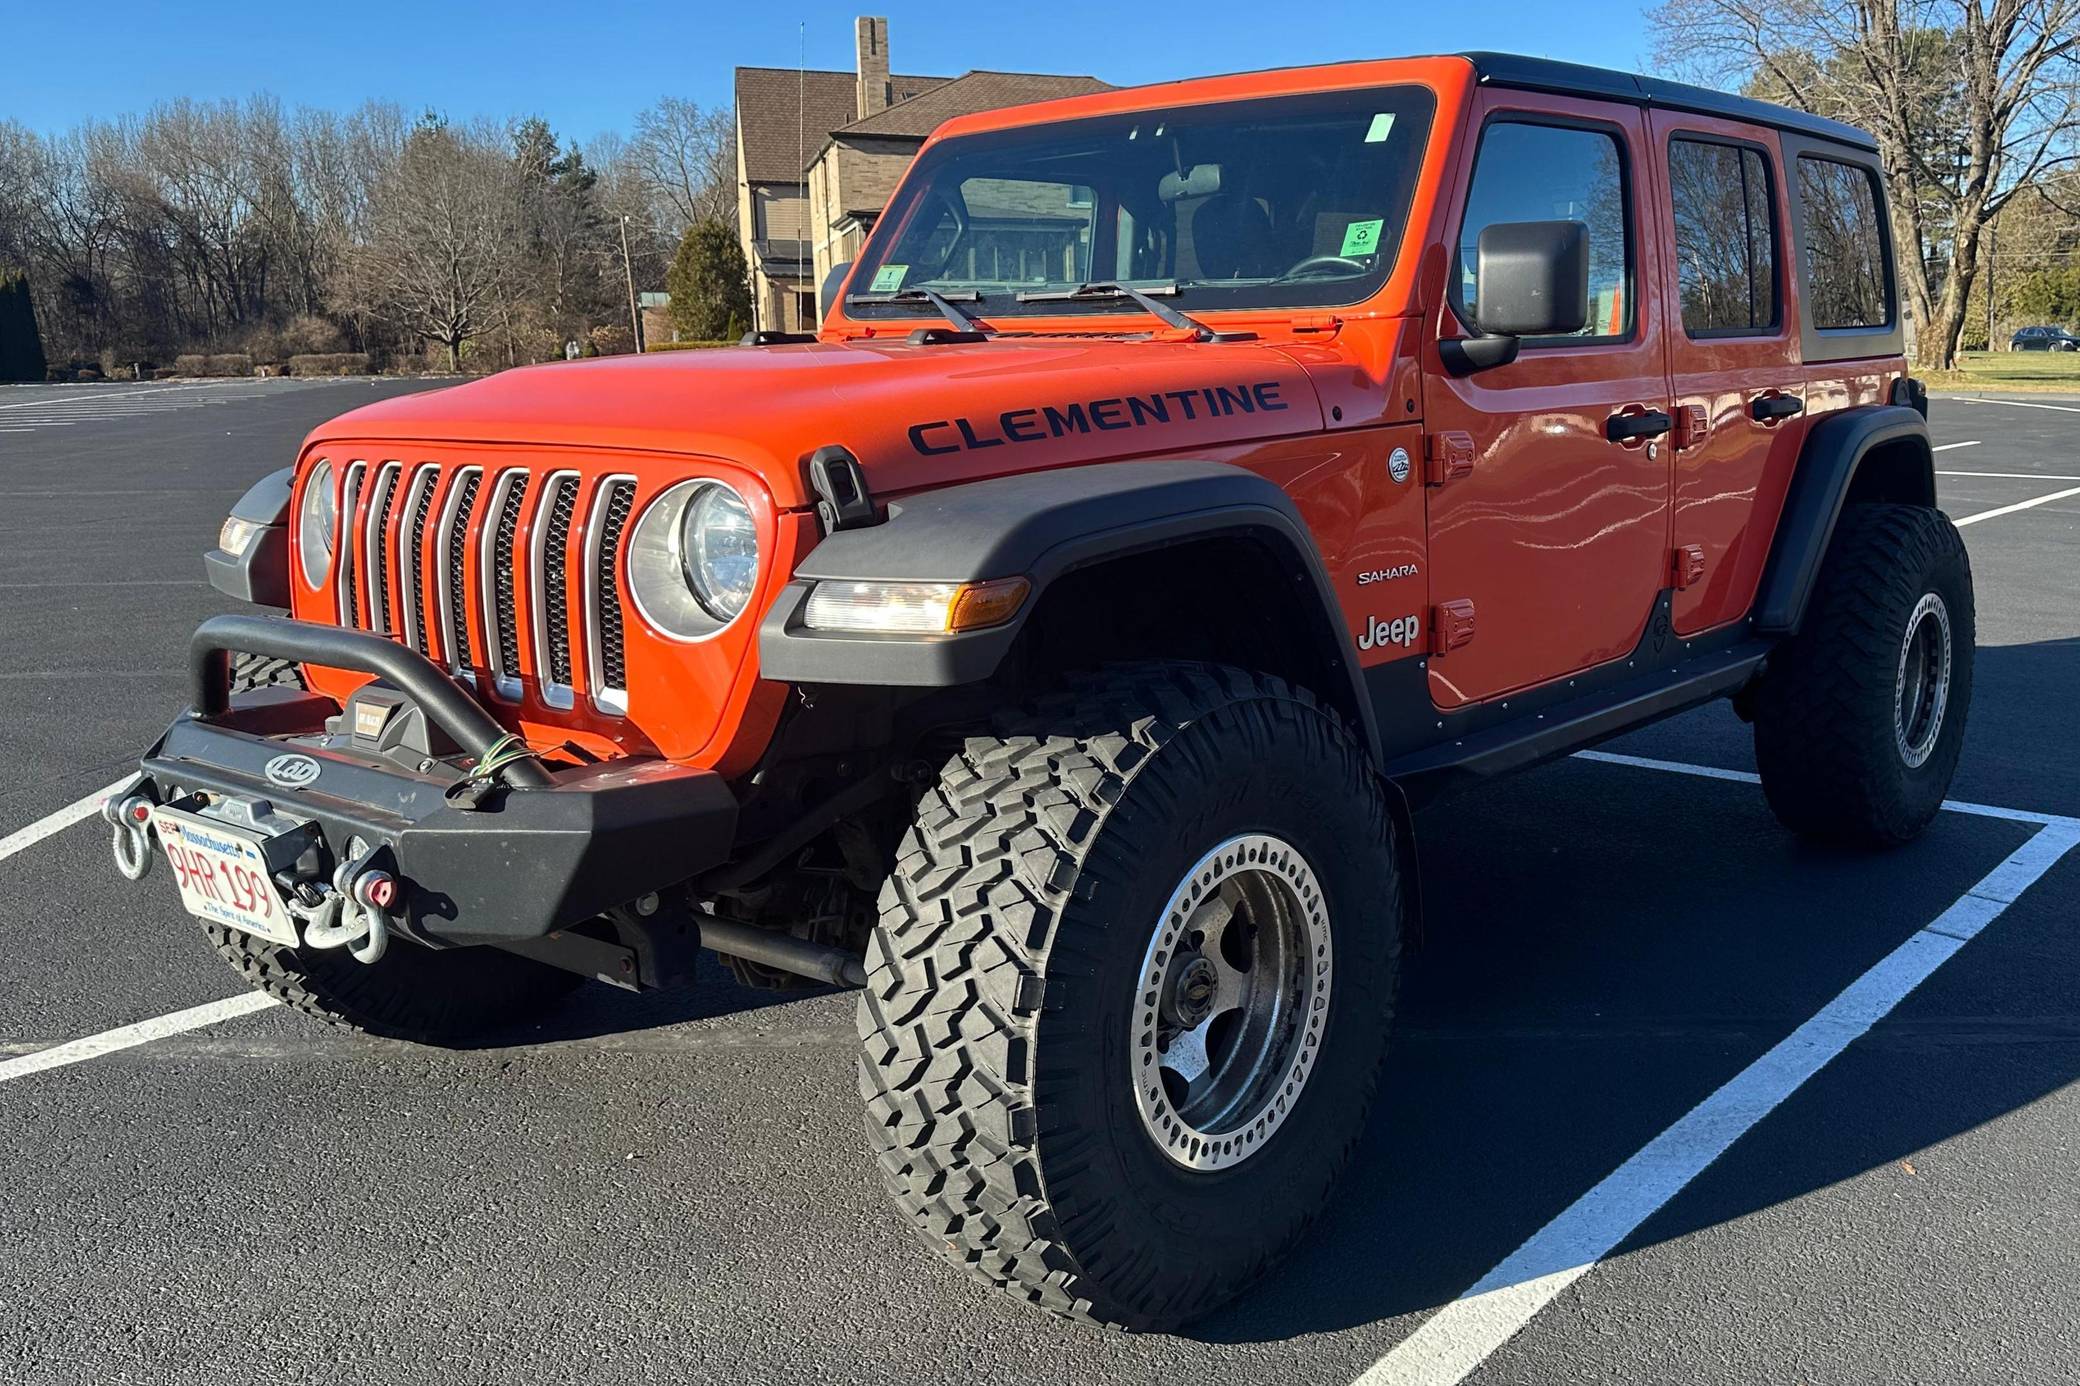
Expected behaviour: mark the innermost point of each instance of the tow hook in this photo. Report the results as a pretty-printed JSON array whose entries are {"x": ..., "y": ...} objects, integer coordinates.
[
  {"x": 354, "y": 912},
  {"x": 130, "y": 815}
]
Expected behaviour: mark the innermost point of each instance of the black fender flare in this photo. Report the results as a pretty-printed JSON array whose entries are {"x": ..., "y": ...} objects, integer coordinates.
[
  {"x": 1037, "y": 525},
  {"x": 260, "y": 573},
  {"x": 1835, "y": 451}
]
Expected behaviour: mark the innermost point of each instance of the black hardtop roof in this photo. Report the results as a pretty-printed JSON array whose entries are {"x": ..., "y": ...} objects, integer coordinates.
[{"x": 1575, "y": 79}]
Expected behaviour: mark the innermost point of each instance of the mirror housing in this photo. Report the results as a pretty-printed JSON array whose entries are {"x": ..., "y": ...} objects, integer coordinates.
[
  {"x": 827, "y": 292},
  {"x": 1533, "y": 280}
]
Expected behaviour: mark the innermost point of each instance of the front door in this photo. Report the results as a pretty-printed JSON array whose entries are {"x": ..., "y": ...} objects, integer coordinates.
[{"x": 1558, "y": 535}]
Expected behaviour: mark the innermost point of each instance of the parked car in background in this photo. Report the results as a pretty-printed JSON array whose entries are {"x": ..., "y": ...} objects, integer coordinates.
[{"x": 2045, "y": 339}]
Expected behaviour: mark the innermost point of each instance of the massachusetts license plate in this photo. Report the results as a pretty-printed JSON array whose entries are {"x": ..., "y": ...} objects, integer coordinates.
[{"x": 223, "y": 876}]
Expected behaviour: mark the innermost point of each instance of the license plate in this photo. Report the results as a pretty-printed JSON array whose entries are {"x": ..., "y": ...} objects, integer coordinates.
[{"x": 223, "y": 876}]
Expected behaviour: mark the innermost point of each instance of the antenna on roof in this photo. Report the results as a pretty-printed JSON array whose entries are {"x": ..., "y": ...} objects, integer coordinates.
[{"x": 801, "y": 152}]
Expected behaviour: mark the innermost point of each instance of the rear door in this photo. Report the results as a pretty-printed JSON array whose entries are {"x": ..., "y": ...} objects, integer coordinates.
[
  {"x": 1734, "y": 358},
  {"x": 1557, "y": 538}
]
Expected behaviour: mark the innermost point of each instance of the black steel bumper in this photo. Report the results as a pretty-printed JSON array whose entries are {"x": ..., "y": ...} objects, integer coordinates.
[{"x": 541, "y": 850}]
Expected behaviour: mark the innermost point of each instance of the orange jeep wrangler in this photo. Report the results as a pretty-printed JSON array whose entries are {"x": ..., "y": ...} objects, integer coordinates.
[{"x": 1185, "y": 484}]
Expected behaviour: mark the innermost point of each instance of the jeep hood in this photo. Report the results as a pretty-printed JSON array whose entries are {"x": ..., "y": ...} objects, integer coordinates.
[{"x": 915, "y": 416}]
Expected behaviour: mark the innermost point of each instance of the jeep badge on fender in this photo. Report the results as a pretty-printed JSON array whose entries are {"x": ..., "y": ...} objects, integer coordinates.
[{"x": 975, "y": 653}]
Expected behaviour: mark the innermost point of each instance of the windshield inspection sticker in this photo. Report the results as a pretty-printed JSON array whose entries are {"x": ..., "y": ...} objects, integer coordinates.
[
  {"x": 1382, "y": 126},
  {"x": 1362, "y": 237},
  {"x": 889, "y": 278}
]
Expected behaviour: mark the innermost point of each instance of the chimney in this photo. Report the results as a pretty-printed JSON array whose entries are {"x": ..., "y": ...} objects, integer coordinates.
[{"x": 873, "y": 91}]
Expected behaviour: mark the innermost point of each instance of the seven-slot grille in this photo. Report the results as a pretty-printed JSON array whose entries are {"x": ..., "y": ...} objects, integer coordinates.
[{"x": 425, "y": 524}]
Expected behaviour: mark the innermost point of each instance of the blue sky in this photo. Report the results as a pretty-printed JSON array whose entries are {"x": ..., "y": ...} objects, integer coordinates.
[{"x": 590, "y": 65}]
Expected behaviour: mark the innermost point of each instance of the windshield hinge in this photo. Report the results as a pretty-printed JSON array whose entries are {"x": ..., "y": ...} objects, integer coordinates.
[{"x": 1317, "y": 322}]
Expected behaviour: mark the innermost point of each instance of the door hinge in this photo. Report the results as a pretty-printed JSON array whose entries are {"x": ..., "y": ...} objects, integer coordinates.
[
  {"x": 1686, "y": 566},
  {"x": 1692, "y": 424},
  {"x": 1451, "y": 625},
  {"x": 1447, "y": 456},
  {"x": 1314, "y": 322}
]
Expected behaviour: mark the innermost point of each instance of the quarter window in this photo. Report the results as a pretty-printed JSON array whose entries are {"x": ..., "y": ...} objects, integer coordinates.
[
  {"x": 1846, "y": 282},
  {"x": 1528, "y": 172},
  {"x": 1725, "y": 237}
]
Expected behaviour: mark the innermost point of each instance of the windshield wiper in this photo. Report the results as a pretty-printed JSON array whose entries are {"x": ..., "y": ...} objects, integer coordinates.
[
  {"x": 1146, "y": 298},
  {"x": 948, "y": 305}
]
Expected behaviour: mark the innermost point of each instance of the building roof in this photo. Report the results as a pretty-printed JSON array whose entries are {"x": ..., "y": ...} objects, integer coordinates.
[
  {"x": 785, "y": 113},
  {"x": 919, "y": 115}
]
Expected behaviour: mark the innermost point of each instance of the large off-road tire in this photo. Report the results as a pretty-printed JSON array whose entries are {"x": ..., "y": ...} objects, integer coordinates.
[
  {"x": 250, "y": 671},
  {"x": 1079, "y": 891},
  {"x": 1860, "y": 717},
  {"x": 449, "y": 997}
]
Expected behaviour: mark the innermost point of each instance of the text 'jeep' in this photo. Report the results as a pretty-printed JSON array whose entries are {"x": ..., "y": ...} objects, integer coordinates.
[{"x": 1186, "y": 484}]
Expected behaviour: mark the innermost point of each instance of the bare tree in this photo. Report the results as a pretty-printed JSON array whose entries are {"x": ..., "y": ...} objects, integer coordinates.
[
  {"x": 1969, "y": 100},
  {"x": 443, "y": 238},
  {"x": 688, "y": 161}
]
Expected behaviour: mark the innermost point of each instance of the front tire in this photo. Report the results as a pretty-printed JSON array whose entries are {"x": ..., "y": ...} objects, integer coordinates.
[
  {"x": 449, "y": 998},
  {"x": 1128, "y": 999},
  {"x": 1860, "y": 718}
]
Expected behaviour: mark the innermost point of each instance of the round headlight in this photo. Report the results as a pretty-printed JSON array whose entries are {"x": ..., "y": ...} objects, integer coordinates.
[
  {"x": 718, "y": 548},
  {"x": 693, "y": 559},
  {"x": 316, "y": 519}
]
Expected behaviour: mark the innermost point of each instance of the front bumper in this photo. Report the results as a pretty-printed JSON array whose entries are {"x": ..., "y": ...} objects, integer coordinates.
[{"x": 500, "y": 864}]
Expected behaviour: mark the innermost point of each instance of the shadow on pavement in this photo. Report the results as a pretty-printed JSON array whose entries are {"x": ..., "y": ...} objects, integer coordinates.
[{"x": 1607, "y": 946}]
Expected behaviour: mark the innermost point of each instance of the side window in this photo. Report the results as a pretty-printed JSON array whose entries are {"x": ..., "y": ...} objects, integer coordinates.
[
  {"x": 1726, "y": 256},
  {"x": 1846, "y": 280},
  {"x": 1527, "y": 172}
]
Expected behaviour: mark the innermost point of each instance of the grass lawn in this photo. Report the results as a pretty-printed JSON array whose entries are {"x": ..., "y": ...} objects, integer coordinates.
[{"x": 2011, "y": 370}]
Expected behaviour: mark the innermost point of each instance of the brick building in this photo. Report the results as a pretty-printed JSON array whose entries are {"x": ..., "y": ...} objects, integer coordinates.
[{"x": 819, "y": 152}]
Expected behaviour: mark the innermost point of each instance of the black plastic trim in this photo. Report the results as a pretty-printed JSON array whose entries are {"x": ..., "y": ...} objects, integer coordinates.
[
  {"x": 1575, "y": 79},
  {"x": 259, "y": 575},
  {"x": 1827, "y": 466},
  {"x": 444, "y": 701},
  {"x": 1038, "y": 525}
]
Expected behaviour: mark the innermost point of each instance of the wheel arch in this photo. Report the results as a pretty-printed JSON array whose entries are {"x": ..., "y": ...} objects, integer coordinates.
[
  {"x": 1170, "y": 559},
  {"x": 1870, "y": 453}
]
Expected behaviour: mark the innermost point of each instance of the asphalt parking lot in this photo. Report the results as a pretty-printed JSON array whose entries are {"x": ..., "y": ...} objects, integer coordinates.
[{"x": 1629, "y": 968}]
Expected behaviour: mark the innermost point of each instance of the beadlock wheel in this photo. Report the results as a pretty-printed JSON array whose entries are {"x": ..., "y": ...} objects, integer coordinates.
[
  {"x": 1921, "y": 691},
  {"x": 1233, "y": 992}
]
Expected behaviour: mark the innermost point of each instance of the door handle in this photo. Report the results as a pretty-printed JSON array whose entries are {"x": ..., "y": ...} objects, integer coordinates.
[
  {"x": 1648, "y": 423},
  {"x": 1770, "y": 408}
]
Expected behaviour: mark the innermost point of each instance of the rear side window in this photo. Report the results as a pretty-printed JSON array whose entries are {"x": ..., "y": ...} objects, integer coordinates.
[
  {"x": 1530, "y": 172},
  {"x": 1726, "y": 253},
  {"x": 1846, "y": 280}
]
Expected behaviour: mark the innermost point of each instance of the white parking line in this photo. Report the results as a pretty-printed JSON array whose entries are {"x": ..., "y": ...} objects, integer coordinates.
[
  {"x": 2015, "y": 476},
  {"x": 1945, "y": 447},
  {"x": 130, "y": 1036},
  {"x": 2066, "y": 494},
  {"x": 1452, "y": 1343},
  {"x": 2017, "y": 403},
  {"x": 77, "y": 811}
]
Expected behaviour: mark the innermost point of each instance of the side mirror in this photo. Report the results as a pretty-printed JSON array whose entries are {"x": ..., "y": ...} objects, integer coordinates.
[
  {"x": 1534, "y": 279},
  {"x": 1533, "y": 282},
  {"x": 827, "y": 292}
]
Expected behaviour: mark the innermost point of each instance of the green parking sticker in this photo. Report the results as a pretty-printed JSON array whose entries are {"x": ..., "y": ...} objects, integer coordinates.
[
  {"x": 1362, "y": 237},
  {"x": 889, "y": 278},
  {"x": 1382, "y": 126}
]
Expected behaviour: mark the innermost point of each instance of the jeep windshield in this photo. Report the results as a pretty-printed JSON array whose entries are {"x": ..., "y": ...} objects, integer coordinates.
[{"x": 1283, "y": 202}]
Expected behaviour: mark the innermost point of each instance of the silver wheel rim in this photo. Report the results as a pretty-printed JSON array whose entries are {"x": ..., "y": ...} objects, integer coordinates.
[
  {"x": 1921, "y": 690},
  {"x": 1232, "y": 1000}
]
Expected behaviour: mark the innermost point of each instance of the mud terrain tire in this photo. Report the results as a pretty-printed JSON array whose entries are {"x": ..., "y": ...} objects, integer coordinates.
[
  {"x": 451, "y": 998},
  {"x": 1843, "y": 733},
  {"x": 249, "y": 671},
  {"x": 1004, "y": 1002}
]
